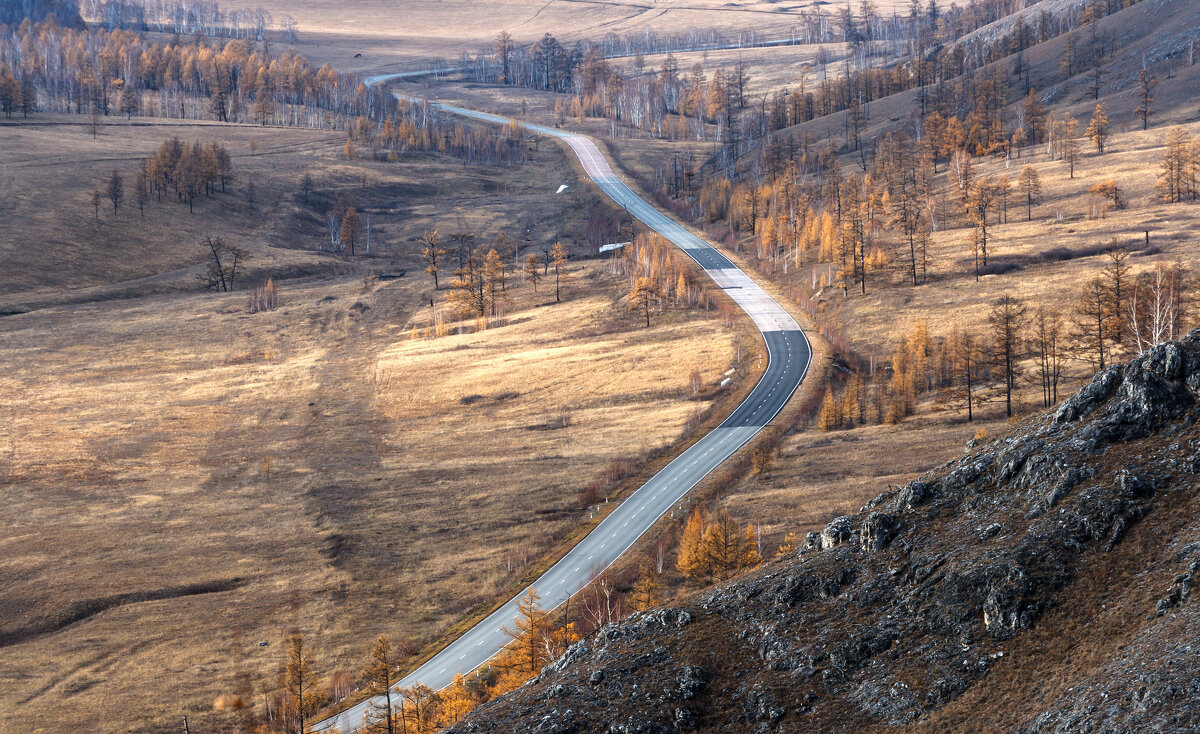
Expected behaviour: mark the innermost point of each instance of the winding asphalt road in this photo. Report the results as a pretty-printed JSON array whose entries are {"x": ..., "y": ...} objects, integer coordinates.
[{"x": 789, "y": 357}]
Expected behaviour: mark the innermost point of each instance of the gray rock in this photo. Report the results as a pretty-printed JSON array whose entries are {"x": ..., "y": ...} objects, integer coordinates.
[
  {"x": 990, "y": 542},
  {"x": 836, "y": 532},
  {"x": 914, "y": 493},
  {"x": 877, "y": 531}
]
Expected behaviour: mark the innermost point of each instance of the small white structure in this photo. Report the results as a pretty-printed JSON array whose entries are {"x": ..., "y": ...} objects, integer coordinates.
[{"x": 612, "y": 246}]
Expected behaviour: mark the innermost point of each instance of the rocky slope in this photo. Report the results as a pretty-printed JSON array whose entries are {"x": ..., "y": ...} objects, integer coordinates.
[{"x": 1038, "y": 584}]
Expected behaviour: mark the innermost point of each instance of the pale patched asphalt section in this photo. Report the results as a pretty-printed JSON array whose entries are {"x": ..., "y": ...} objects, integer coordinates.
[{"x": 789, "y": 356}]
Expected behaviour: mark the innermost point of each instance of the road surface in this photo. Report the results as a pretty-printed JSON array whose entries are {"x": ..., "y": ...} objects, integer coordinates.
[{"x": 789, "y": 356}]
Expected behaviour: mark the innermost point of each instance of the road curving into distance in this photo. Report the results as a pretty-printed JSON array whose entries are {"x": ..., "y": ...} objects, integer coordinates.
[{"x": 789, "y": 356}]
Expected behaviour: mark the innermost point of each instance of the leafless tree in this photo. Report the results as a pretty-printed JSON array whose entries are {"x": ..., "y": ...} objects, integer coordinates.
[
  {"x": 291, "y": 30},
  {"x": 115, "y": 190},
  {"x": 1155, "y": 306},
  {"x": 223, "y": 264},
  {"x": 1008, "y": 321}
]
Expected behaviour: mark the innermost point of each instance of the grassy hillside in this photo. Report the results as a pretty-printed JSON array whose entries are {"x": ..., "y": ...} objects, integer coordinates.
[{"x": 186, "y": 478}]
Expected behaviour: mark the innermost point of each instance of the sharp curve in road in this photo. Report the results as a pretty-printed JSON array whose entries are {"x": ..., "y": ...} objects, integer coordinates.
[{"x": 789, "y": 356}]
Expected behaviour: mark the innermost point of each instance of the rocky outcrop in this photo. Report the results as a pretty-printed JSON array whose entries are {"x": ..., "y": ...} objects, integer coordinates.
[{"x": 925, "y": 605}]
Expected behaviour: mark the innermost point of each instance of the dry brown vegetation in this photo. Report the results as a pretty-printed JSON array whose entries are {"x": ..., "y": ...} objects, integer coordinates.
[
  {"x": 822, "y": 475},
  {"x": 184, "y": 477},
  {"x": 51, "y": 162},
  {"x": 1043, "y": 262},
  {"x": 319, "y": 466},
  {"x": 434, "y": 29}
]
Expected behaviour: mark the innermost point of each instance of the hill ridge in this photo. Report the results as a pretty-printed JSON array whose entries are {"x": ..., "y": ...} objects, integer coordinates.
[{"x": 933, "y": 601}]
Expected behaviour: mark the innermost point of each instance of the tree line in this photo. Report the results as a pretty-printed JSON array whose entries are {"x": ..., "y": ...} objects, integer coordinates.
[
  {"x": 45, "y": 66},
  {"x": 119, "y": 72},
  {"x": 180, "y": 17},
  {"x": 64, "y": 12},
  {"x": 658, "y": 273},
  {"x": 850, "y": 229},
  {"x": 1114, "y": 312},
  {"x": 416, "y": 126},
  {"x": 863, "y": 224},
  {"x": 187, "y": 170},
  {"x": 935, "y": 51}
]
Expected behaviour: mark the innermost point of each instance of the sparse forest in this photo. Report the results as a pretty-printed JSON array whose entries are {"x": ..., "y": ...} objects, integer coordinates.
[
  {"x": 969, "y": 207},
  {"x": 50, "y": 68}
]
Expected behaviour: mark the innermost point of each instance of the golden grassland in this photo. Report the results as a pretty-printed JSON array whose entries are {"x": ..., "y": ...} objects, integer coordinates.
[
  {"x": 184, "y": 478},
  {"x": 326, "y": 467},
  {"x": 342, "y": 477},
  {"x": 769, "y": 69}
]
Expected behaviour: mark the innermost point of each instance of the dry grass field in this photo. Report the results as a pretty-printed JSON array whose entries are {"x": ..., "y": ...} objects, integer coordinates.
[
  {"x": 769, "y": 69},
  {"x": 184, "y": 478},
  {"x": 1048, "y": 258},
  {"x": 57, "y": 249},
  {"x": 400, "y": 36},
  {"x": 819, "y": 476},
  {"x": 338, "y": 476}
]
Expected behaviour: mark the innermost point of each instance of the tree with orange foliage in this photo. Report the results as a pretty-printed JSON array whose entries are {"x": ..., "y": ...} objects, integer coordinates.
[
  {"x": 1097, "y": 130},
  {"x": 533, "y": 266},
  {"x": 787, "y": 546},
  {"x": 304, "y": 689},
  {"x": 727, "y": 550},
  {"x": 692, "y": 561},
  {"x": 351, "y": 229},
  {"x": 558, "y": 261},
  {"x": 1069, "y": 141},
  {"x": 419, "y": 710},
  {"x": 647, "y": 591},
  {"x": 456, "y": 702},
  {"x": 531, "y": 627},
  {"x": 493, "y": 276},
  {"x": 643, "y": 296},
  {"x": 379, "y": 677}
]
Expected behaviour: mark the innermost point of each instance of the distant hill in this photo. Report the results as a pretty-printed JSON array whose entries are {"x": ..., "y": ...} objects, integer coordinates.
[{"x": 1039, "y": 583}]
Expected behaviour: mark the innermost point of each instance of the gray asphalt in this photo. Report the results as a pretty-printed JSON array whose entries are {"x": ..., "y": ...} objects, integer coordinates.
[{"x": 789, "y": 356}]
